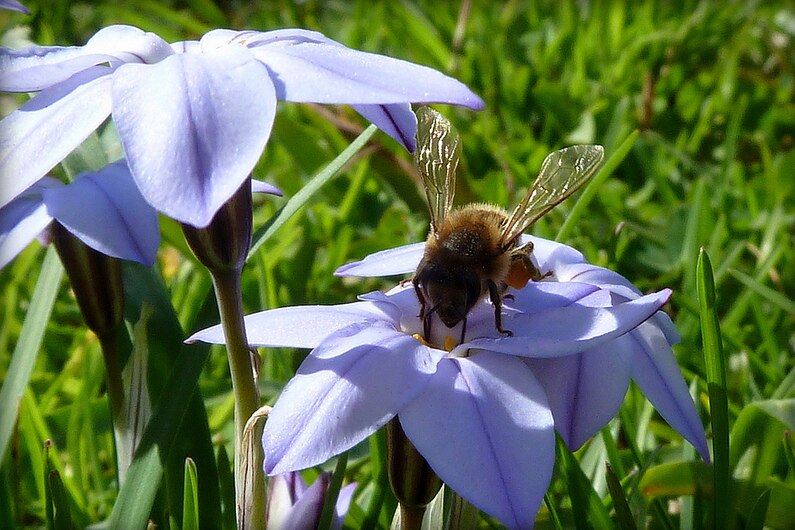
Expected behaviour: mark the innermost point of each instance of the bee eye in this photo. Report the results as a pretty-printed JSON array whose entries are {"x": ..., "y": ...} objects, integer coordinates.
[{"x": 473, "y": 288}]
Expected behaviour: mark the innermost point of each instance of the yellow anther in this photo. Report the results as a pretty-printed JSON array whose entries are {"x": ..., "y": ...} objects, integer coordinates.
[
  {"x": 449, "y": 343},
  {"x": 421, "y": 339}
]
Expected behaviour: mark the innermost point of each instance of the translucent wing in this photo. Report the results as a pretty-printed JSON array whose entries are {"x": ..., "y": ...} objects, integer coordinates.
[
  {"x": 437, "y": 157},
  {"x": 562, "y": 173}
]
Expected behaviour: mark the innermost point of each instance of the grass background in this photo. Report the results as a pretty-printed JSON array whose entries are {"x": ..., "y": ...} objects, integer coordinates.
[{"x": 710, "y": 88}]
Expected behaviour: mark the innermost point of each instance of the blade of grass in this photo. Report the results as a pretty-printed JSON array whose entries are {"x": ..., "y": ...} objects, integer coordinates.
[
  {"x": 380, "y": 481},
  {"x": 174, "y": 379},
  {"x": 330, "y": 502},
  {"x": 585, "y": 503},
  {"x": 699, "y": 206},
  {"x": 553, "y": 513},
  {"x": 691, "y": 506},
  {"x": 137, "y": 495},
  {"x": 302, "y": 197},
  {"x": 60, "y": 502},
  {"x": 756, "y": 520},
  {"x": 630, "y": 426},
  {"x": 789, "y": 453},
  {"x": 579, "y": 207},
  {"x": 623, "y": 513},
  {"x": 190, "y": 499},
  {"x": 27, "y": 348},
  {"x": 227, "y": 485},
  {"x": 164, "y": 335},
  {"x": 771, "y": 295},
  {"x": 49, "y": 509},
  {"x": 716, "y": 385},
  {"x": 613, "y": 456}
]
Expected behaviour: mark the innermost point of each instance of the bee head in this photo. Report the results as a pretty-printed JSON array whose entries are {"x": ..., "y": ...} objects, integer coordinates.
[{"x": 451, "y": 293}]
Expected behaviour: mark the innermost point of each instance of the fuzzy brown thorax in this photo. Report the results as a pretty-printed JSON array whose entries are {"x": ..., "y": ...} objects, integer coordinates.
[{"x": 469, "y": 238}]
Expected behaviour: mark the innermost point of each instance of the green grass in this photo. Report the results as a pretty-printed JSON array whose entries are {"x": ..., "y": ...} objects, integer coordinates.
[{"x": 696, "y": 100}]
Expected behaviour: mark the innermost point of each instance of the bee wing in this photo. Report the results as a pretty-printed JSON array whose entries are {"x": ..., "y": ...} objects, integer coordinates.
[
  {"x": 562, "y": 173},
  {"x": 438, "y": 151}
]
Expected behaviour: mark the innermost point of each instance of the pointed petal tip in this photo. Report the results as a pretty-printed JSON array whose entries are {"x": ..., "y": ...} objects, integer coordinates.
[
  {"x": 258, "y": 186},
  {"x": 13, "y": 5},
  {"x": 476, "y": 103},
  {"x": 666, "y": 295},
  {"x": 211, "y": 335},
  {"x": 343, "y": 269}
]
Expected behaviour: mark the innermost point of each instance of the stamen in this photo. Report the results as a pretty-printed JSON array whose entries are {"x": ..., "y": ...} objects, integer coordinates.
[
  {"x": 422, "y": 340},
  {"x": 449, "y": 343}
]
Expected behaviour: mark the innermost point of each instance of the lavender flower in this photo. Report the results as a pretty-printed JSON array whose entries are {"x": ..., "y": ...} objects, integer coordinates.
[
  {"x": 104, "y": 209},
  {"x": 292, "y": 505},
  {"x": 194, "y": 116},
  {"x": 368, "y": 366},
  {"x": 13, "y": 5}
]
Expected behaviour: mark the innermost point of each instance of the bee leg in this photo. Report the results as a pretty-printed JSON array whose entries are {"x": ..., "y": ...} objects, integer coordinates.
[
  {"x": 496, "y": 299},
  {"x": 463, "y": 330},
  {"x": 426, "y": 324},
  {"x": 523, "y": 267}
]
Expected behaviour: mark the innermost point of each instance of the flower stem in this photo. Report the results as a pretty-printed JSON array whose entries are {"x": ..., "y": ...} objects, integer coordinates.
[
  {"x": 249, "y": 478},
  {"x": 411, "y": 478},
  {"x": 109, "y": 343}
]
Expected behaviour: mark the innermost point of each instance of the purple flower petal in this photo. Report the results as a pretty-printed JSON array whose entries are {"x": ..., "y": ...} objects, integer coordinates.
[
  {"x": 257, "y": 186},
  {"x": 551, "y": 255},
  {"x": 39, "y": 67},
  {"x": 392, "y": 262},
  {"x": 129, "y": 44},
  {"x": 604, "y": 278},
  {"x": 533, "y": 298},
  {"x": 615, "y": 283},
  {"x": 483, "y": 425},
  {"x": 343, "y": 505},
  {"x": 656, "y": 372},
  {"x": 218, "y": 38},
  {"x": 39, "y": 75},
  {"x": 305, "y": 513},
  {"x": 571, "y": 329},
  {"x": 542, "y": 296},
  {"x": 13, "y": 5},
  {"x": 23, "y": 219},
  {"x": 38, "y": 135},
  {"x": 193, "y": 126},
  {"x": 107, "y": 212},
  {"x": 397, "y": 120},
  {"x": 283, "y": 491},
  {"x": 323, "y": 72},
  {"x": 585, "y": 390},
  {"x": 348, "y": 387},
  {"x": 300, "y": 326}
]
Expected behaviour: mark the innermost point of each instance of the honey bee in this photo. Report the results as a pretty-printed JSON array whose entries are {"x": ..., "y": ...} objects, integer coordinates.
[{"x": 476, "y": 249}]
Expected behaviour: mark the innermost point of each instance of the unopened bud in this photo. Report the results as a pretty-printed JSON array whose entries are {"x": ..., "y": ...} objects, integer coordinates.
[
  {"x": 96, "y": 281},
  {"x": 223, "y": 245},
  {"x": 412, "y": 479}
]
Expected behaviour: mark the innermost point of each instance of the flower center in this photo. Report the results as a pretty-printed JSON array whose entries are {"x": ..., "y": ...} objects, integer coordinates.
[{"x": 449, "y": 342}]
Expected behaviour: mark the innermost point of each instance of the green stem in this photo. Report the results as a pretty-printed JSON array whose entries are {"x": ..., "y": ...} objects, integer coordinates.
[
  {"x": 249, "y": 479},
  {"x": 113, "y": 379}
]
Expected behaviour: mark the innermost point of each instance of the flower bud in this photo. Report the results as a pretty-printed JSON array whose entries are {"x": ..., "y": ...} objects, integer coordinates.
[
  {"x": 96, "y": 281},
  {"x": 224, "y": 243},
  {"x": 411, "y": 478}
]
